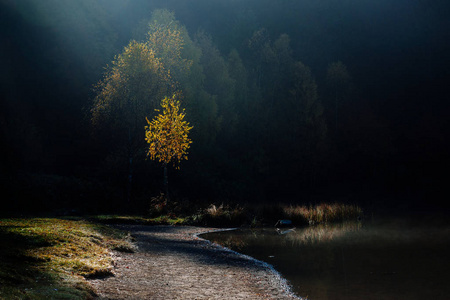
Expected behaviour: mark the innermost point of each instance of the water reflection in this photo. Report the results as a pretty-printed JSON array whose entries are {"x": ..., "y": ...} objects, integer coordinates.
[
  {"x": 386, "y": 260},
  {"x": 321, "y": 233}
]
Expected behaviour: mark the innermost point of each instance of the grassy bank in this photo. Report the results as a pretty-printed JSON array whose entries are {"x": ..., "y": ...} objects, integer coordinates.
[
  {"x": 50, "y": 258},
  {"x": 226, "y": 215},
  {"x": 169, "y": 219},
  {"x": 235, "y": 215}
]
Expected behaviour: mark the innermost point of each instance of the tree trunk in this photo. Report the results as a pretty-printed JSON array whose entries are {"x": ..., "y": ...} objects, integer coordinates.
[
  {"x": 130, "y": 167},
  {"x": 130, "y": 178},
  {"x": 166, "y": 181}
]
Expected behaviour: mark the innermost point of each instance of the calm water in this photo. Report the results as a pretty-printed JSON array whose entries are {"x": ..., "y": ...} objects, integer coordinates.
[{"x": 384, "y": 260}]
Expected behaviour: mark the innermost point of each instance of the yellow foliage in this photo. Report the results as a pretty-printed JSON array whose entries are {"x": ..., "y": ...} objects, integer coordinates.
[
  {"x": 167, "y": 133},
  {"x": 129, "y": 86},
  {"x": 167, "y": 39}
]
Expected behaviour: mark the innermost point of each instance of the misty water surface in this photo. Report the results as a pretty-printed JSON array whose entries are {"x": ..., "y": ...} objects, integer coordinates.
[{"x": 374, "y": 260}]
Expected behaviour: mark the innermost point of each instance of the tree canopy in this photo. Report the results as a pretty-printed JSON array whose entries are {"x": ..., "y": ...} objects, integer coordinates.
[
  {"x": 167, "y": 133},
  {"x": 129, "y": 89}
]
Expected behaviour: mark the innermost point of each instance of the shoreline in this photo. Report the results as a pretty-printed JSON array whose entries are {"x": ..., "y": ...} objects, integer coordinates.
[
  {"x": 174, "y": 262},
  {"x": 284, "y": 284}
]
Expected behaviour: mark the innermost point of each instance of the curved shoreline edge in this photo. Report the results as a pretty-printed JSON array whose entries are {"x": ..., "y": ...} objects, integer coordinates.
[
  {"x": 175, "y": 262},
  {"x": 282, "y": 282}
]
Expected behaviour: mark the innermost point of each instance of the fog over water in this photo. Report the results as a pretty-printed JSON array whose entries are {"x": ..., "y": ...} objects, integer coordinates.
[{"x": 392, "y": 259}]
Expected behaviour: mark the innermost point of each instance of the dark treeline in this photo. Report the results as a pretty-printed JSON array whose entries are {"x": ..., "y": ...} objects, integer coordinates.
[{"x": 296, "y": 101}]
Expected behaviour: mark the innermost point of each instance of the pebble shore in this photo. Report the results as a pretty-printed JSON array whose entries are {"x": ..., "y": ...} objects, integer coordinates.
[{"x": 175, "y": 263}]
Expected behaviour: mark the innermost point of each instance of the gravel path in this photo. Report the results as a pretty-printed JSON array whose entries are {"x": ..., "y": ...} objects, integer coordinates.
[{"x": 173, "y": 263}]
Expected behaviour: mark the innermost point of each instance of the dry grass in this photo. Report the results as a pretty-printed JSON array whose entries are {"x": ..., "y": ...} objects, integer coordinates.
[
  {"x": 222, "y": 215},
  {"x": 235, "y": 215},
  {"x": 322, "y": 213},
  {"x": 50, "y": 258}
]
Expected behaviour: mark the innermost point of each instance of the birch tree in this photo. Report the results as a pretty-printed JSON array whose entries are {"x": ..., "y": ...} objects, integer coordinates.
[{"x": 167, "y": 136}]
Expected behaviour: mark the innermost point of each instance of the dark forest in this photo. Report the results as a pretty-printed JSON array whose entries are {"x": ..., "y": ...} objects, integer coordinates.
[{"x": 290, "y": 101}]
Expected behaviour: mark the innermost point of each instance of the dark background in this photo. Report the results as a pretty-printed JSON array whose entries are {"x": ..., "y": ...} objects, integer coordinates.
[{"x": 391, "y": 153}]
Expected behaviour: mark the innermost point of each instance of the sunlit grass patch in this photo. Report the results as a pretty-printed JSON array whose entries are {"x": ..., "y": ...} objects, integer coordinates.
[
  {"x": 40, "y": 257},
  {"x": 166, "y": 219},
  {"x": 120, "y": 219},
  {"x": 322, "y": 213}
]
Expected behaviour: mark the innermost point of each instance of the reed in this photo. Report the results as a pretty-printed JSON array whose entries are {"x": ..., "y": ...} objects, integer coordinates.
[
  {"x": 322, "y": 213},
  {"x": 223, "y": 215}
]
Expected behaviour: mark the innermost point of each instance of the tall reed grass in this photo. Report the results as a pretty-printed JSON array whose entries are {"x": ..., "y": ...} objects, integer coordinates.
[
  {"x": 255, "y": 215},
  {"x": 223, "y": 215},
  {"x": 322, "y": 213}
]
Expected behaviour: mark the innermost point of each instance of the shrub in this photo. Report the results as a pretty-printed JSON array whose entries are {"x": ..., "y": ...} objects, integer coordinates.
[{"x": 158, "y": 206}]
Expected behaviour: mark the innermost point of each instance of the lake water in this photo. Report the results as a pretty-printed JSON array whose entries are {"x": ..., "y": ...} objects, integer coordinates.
[{"x": 370, "y": 260}]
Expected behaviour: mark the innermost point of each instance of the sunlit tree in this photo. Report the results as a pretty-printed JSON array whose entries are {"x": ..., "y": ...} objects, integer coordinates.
[
  {"x": 167, "y": 39},
  {"x": 129, "y": 87},
  {"x": 124, "y": 97},
  {"x": 167, "y": 136},
  {"x": 171, "y": 44},
  {"x": 182, "y": 58}
]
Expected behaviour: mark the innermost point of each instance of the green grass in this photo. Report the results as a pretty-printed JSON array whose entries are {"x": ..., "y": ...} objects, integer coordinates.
[
  {"x": 47, "y": 258},
  {"x": 168, "y": 219}
]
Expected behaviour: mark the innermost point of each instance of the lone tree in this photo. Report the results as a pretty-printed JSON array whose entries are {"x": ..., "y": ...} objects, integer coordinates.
[{"x": 167, "y": 136}]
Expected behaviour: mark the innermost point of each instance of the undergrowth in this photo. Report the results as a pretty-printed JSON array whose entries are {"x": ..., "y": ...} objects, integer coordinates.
[
  {"x": 164, "y": 211},
  {"x": 267, "y": 215}
]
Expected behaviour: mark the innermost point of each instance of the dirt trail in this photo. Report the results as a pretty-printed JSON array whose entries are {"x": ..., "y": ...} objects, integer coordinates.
[{"x": 171, "y": 263}]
